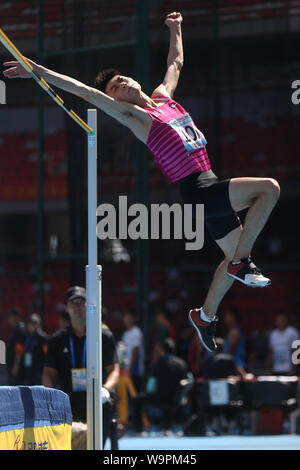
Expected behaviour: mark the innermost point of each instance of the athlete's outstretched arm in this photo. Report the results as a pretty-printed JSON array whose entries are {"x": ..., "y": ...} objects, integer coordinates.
[
  {"x": 175, "y": 56},
  {"x": 119, "y": 110}
]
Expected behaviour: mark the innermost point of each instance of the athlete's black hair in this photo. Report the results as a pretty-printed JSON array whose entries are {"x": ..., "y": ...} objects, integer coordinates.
[{"x": 104, "y": 77}]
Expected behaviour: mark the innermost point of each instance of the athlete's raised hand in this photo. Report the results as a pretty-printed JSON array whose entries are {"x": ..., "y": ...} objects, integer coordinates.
[
  {"x": 16, "y": 70},
  {"x": 173, "y": 19}
]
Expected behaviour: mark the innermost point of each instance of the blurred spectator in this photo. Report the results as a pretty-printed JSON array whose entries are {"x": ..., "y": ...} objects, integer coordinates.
[
  {"x": 164, "y": 329},
  {"x": 197, "y": 352},
  {"x": 259, "y": 346},
  {"x": 64, "y": 321},
  {"x": 280, "y": 350},
  {"x": 234, "y": 340},
  {"x": 133, "y": 340},
  {"x": 65, "y": 364},
  {"x": 183, "y": 343},
  {"x": 219, "y": 365},
  {"x": 125, "y": 387},
  {"x": 104, "y": 314},
  {"x": 15, "y": 346},
  {"x": 35, "y": 349},
  {"x": 163, "y": 384}
]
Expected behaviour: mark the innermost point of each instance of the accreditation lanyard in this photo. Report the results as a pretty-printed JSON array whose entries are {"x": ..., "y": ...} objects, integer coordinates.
[
  {"x": 78, "y": 375},
  {"x": 30, "y": 343},
  {"x": 72, "y": 352}
]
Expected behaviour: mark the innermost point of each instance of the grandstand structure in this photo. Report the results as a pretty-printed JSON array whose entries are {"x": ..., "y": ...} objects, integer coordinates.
[{"x": 240, "y": 59}]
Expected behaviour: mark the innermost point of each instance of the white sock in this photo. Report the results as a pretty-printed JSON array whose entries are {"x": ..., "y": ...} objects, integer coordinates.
[{"x": 204, "y": 317}]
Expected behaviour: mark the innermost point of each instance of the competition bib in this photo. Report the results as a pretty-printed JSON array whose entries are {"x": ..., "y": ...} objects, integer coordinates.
[
  {"x": 27, "y": 359},
  {"x": 78, "y": 380},
  {"x": 190, "y": 135},
  {"x": 78, "y": 375}
]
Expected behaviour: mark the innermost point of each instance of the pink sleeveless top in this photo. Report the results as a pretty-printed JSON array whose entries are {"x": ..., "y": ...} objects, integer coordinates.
[{"x": 176, "y": 143}]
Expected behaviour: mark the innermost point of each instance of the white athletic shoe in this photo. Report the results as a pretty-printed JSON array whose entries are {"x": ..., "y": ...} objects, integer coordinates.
[{"x": 246, "y": 272}]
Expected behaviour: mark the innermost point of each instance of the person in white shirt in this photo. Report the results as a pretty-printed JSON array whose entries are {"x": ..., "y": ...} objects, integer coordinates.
[
  {"x": 280, "y": 347},
  {"x": 134, "y": 344}
]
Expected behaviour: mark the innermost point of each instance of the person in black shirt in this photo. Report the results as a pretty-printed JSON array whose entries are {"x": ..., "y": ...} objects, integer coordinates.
[
  {"x": 64, "y": 321},
  {"x": 35, "y": 349},
  {"x": 15, "y": 346},
  {"x": 65, "y": 364},
  {"x": 164, "y": 380}
]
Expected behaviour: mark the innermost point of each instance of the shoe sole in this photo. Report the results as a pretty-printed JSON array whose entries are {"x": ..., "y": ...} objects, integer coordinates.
[
  {"x": 199, "y": 333},
  {"x": 265, "y": 284}
]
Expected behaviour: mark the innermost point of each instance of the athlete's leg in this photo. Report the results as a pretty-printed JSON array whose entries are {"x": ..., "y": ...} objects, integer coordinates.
[
  {"x": 221, "y": 283},
  {"x": 260, "y": 195},
  {"x": 203, "y": 319}
]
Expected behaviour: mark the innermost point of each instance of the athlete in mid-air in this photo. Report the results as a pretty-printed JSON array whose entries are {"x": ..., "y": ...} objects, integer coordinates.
[{"x": 179, "y": 150}]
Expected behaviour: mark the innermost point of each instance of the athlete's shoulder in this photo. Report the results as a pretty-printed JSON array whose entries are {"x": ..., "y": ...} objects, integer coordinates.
[
  {"x": 161, "y": 91},
  {"x": 161, "y": 98}
]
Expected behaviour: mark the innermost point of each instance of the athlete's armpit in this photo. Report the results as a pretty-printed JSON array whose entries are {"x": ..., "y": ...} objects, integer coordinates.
[{"x": 122, "y": 111}]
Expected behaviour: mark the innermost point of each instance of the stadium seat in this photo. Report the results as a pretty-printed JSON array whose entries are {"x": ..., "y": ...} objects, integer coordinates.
[{"x": 271, "y": 393}]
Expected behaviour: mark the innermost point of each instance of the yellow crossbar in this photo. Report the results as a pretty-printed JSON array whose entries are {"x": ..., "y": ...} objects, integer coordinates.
[{"x": 24, "y": 62}]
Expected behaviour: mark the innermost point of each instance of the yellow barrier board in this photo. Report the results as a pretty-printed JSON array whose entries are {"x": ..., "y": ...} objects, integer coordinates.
[{"x": 39, "y": 438}]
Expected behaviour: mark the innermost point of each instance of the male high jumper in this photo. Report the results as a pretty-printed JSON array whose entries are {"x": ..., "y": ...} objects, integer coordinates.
[{"x": 179, "y": 150}]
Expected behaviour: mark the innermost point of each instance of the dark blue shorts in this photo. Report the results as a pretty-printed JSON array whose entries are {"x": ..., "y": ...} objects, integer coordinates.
[{"x": 206, "y": 188}]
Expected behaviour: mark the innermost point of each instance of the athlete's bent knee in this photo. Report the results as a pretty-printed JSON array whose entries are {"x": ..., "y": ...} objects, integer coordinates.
[{"x": 272, "y": 187}]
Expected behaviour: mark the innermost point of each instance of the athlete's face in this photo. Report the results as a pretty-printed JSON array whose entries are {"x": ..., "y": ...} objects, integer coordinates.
[{"x": 123, "y": 88}]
